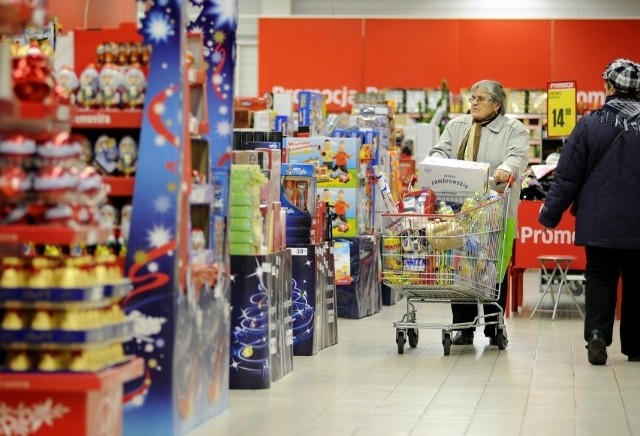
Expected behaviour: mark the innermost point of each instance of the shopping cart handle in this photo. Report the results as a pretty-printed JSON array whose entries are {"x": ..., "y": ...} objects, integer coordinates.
[{"x": 502, "y": 186}]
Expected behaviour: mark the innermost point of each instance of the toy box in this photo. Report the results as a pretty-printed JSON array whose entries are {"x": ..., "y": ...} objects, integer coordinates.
[
  {"x": 453, "y": 176},
  {"x": 311, "y": 111},
  {"x": 298, "y": 200}
]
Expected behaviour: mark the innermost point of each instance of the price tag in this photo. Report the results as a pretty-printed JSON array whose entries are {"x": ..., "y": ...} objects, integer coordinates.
[
  {"x": 298, "y": 251},
  {"x": 561, "y": 108}
]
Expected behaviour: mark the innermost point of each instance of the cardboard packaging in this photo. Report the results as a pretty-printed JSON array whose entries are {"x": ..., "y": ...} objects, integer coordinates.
[{"x": 453, "y": 176}]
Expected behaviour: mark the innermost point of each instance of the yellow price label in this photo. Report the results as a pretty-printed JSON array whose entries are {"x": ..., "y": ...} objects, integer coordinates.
[{"x": 561, "y": 108}]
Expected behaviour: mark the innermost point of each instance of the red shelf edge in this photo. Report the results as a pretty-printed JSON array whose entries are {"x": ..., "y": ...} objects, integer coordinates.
[
  {"x": 106, "y": 119},
  {"x": 52, "y": 234},
  {"x": 70, "y": 382},
  {"x": 120, "y": 186}
]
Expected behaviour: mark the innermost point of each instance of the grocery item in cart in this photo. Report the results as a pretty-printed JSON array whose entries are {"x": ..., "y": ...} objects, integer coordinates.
[{"x": 444, "y": 235}]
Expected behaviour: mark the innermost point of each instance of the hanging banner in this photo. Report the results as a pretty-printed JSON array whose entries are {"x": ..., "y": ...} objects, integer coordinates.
[{"x": 561, "y": 108}]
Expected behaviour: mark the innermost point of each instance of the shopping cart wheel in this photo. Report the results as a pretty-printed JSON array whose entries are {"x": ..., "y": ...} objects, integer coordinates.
[
  {"x": 576, "y": 288},
  {"x": 501, "y": 339},
  {"x": 400, "y": 340},
  {"x": 446, "y": 342},
  {"x": 413, "y": 335}
]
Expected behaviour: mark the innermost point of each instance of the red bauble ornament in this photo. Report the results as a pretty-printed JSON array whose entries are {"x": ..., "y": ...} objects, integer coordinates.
[
  {"x": 55, "y": 184},
  {"x": 32, "y": 77},
  {"x": 17, "y": 147},
  {"x": 14, "y": 184},
  {"x": 60, "y": 146}
]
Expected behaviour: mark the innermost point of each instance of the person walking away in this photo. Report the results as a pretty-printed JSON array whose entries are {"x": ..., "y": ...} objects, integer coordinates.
[{"x": 600, "y": 163}]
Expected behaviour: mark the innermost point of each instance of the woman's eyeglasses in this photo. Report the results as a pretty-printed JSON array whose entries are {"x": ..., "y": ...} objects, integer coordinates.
[{"x": 480, "y": 100}]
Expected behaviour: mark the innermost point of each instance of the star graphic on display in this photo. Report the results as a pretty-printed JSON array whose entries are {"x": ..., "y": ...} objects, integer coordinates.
[
  {"x": 219, "y": 37},
  {"x": 158, "y": 236},
  {"x": 259, "y": 271},
  {"x": 224, "y": 128},
  {"x": 158, "y": 28},
  {"x": 244, "y": 314},
  {"x": 234, "y": 365},
  {"x": 308, "y": 263},
  {"x": 162, "y": 204},
  {"x": 140, "y": 257},
  {"x": 160, "y": 140},
  {"x": 232, "y": 278},
  {"x": 223, "y": 110},
  {"x": 226, "y": 12}
]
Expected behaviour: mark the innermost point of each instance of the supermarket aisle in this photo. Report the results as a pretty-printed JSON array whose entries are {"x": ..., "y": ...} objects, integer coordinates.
[{"x": 541, "y": 384}]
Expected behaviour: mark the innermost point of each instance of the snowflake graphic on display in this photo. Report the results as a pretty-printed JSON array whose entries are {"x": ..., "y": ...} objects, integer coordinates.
[
  {"x": 223, "y": 128},
  {"x": 158, "y": 236},
  {"x": 158, "y": 28},
  {"x": 24, "y": 420},
  {"x": 226, "y": 12},
  {"x": 162, "y": 204}
]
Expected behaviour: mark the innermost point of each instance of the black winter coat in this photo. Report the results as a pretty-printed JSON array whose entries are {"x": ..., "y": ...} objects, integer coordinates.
[{"x": 609, "y": 213}]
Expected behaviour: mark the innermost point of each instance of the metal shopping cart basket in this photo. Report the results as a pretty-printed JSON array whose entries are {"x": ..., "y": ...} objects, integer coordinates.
[{"x": 447, "y": 259}]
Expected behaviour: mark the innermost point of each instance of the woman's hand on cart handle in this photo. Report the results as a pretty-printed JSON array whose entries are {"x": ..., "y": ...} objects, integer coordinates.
[{"x": 502, "y": 176}]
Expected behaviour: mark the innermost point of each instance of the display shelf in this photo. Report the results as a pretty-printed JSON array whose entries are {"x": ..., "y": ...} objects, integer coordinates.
[
  {"x": 53, "y": 234},
  {"x": 201, "y": 195},
  {"x": 120, "y": 186},
  {"x": 33, "y": 117},
  {"x": 81, "y": 404},
  {"x": 197, "y": 77},
  {"x": 106, "y": 119},
  {"x": 72, "y": 382}
]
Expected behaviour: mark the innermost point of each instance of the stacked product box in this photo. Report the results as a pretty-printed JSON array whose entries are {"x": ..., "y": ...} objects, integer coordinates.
[
  {"x": 311, "y": 112},
  {"x": 453, "y": 177},
  {"x": 335, "y": 163},
  {"x": 246, "y": 222}
]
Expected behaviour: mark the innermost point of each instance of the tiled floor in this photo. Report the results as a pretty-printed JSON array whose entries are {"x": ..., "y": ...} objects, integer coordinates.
[{"x": 541, "y": 384}]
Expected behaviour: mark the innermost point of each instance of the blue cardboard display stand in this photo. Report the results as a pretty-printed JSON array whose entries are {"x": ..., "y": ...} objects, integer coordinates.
[
  {"x": 315, "y": 323},
  {"x": 261, "y": 330},
  {"x": 180, "y": 311}
]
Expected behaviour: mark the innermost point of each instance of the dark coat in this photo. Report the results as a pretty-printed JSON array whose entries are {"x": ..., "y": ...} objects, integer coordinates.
[{"x": 609, "y": 213}]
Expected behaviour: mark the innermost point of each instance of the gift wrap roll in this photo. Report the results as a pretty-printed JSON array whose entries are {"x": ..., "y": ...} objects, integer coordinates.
[{"x": 392, "y": 249}]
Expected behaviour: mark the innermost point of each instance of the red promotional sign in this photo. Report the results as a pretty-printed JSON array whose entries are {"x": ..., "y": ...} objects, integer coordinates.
[
  {"x": 534, "y": 241},
  {"x": 339, "y": 56}
]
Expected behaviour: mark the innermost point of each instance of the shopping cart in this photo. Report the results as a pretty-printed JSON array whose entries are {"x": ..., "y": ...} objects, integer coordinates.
[{"x": 447, "y": 259}]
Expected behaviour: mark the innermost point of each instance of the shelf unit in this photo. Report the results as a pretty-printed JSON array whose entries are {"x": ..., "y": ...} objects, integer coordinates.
[
  {"x": 534, "y": 124},
  {"x": 95, "y": 122},
  {"x": 42, "y": 326}
]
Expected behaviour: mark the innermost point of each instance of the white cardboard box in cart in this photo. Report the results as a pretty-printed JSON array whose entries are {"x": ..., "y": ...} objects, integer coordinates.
[{"x": 453, "y": 176}]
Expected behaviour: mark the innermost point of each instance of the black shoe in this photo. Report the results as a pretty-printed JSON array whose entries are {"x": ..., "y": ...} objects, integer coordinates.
[
  {"x": 463, "y": 338},
  {"x": 597, "y": 348}
]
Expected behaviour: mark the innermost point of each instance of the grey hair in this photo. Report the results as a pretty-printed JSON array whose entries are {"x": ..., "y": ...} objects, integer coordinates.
[{"x": 495, "y": 90}]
